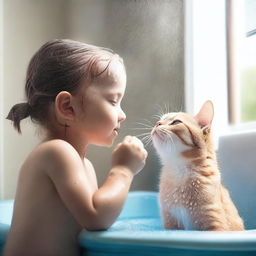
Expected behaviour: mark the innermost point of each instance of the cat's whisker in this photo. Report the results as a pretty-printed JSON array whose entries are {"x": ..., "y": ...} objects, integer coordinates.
[
  {"x": 145, "y": 125},
  {"x": 160, "y": 110},
  {"x": 149, "y": 143},
  {"x": 146, "y": 136},
  {"x": 141, "y": 128},
  {"x": 173, "y": 143},
  {"x": 146, "y": 140},
  {"x": 147, "y": 121},
  {"x": 143, "y": 134},
  {"x": 164, "y": 131},
  {"x": 166, "y": 108},
  {"x": 168, "y": 136},
  {"x": 169, "y": 108},
  {"x": 157, "y": 116}
]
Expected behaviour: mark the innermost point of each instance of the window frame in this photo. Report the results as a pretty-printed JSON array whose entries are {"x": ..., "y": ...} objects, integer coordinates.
[{"x": 206, "y": 39}]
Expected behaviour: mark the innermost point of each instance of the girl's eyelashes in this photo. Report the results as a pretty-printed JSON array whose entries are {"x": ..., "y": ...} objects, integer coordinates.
[
  {"x": 175, "y": 122},
  {"x": 114, "y": 102}
]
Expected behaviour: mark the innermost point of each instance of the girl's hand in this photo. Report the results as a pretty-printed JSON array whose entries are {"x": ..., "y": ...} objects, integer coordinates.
[{"x": 131, "y": 154}]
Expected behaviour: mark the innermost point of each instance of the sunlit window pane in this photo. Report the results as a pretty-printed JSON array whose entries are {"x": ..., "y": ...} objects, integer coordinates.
[
  {"x": 248, "y": 80},
  {"x": 242, "y": 60}
]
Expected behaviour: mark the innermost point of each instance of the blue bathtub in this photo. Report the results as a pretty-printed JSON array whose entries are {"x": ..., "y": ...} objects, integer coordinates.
[
  {"x": 6, "y": 209},
  {"x": 138, "y": 231}
]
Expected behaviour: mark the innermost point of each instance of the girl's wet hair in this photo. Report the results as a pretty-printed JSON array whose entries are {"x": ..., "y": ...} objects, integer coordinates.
[{"x": 59, "y": 65}]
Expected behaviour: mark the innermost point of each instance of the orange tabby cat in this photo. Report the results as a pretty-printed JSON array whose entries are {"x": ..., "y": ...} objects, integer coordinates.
[{"x": 191, "y": 194}]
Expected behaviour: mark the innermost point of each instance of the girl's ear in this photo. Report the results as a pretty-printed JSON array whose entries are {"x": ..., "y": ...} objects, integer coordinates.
[
  {"x": 63, "y": 106},
  {"x": 205, "y": 116}
]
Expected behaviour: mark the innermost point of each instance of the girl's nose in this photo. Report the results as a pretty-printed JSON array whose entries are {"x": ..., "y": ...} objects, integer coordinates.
[
  {"x": 122, "y": 116},
  {"x": 159, "y": 123}
]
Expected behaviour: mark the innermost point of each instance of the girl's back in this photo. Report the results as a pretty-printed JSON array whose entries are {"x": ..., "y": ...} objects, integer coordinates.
[{"x": 39, "y": 211}]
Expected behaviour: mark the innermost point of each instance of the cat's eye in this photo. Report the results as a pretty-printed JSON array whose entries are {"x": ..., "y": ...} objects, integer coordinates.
[{"x": 175, "y": 122}]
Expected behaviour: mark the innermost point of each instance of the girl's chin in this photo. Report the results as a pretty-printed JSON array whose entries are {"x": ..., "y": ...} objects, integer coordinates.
[
  {"x": 108, "y": 143},
  {"x": 105, "y": 143},
  {"x": 111, "y": 138}
]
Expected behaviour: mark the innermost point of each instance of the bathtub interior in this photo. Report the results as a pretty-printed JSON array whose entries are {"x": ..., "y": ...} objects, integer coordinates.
[
  {"x": 6, "y": 209},
  {"x": 139, "y": 227}
]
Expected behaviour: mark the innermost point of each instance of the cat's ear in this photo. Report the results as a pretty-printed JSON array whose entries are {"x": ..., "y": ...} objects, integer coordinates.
[{"x": 205, "y": 116}]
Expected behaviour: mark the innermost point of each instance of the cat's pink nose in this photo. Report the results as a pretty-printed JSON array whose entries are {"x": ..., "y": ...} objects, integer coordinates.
[{"x": 159, "y": 123}]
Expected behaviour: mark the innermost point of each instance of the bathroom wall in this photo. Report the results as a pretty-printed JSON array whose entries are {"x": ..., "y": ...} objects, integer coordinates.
[
  {"x": 147, "y": 34},
  {"x": 27, "y": 25}
]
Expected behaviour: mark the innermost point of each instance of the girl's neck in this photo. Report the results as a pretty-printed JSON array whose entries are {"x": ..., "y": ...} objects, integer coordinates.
[{"x": 78, "y": 143}]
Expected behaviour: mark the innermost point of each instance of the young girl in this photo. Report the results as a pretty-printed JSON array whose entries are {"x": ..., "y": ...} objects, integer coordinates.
[{"x": 74, "y": 91}]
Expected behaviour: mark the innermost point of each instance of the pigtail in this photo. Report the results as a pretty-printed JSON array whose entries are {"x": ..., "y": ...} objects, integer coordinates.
[{"x": 17, "y": 113}]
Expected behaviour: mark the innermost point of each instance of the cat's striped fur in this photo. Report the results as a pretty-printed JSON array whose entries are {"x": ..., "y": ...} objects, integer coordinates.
[{"x": 191, "y": 194}]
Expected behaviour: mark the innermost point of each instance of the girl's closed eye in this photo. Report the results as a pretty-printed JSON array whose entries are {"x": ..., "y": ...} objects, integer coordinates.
[
  {"x": 115, "y": 99},
  {"x": 114, "y": 102}
]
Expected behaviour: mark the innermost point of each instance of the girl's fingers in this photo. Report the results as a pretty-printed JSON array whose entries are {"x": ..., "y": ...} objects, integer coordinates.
[{"x": 134, "y": 140}]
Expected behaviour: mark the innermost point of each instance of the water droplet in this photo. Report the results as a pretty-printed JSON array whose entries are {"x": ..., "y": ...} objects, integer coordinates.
[
  {"x": 191, "y": 203},
  {"x": 176, "y": 200}
]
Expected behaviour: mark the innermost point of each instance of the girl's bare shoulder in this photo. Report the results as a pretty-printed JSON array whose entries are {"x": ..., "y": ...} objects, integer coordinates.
[
  {"x": 56, "y": 145},
  {"x": 56, "y": 154}
]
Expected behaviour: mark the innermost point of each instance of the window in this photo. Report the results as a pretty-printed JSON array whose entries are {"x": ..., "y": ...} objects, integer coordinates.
[
  {"x": 205, "y": 59},
  {"x": 241, "y": 41},
  {"x": 220, "y": 55}
]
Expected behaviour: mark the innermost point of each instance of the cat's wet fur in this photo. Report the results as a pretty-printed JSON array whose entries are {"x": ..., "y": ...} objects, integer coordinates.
[{"x": 191, "y": 194}]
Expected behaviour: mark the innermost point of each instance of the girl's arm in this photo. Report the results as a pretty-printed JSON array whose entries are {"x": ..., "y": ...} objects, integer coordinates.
[
  {"x": 94, "y": 210},
  {"x": 109, "y": 199}
]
